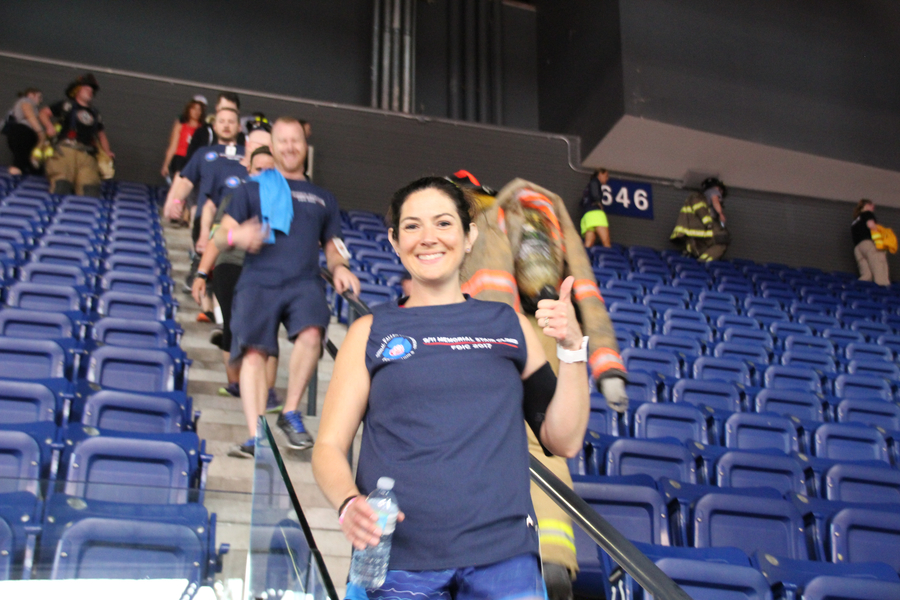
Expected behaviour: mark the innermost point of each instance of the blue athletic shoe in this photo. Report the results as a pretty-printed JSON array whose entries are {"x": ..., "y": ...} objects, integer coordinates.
[
  {"x": 232, "y": 389},
  {"x": 291, "y": 423},
  {"x": 245, "y": 450}
]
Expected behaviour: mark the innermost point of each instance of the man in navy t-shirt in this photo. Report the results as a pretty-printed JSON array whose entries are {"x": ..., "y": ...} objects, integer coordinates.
[{"x": 280, "y": 281}]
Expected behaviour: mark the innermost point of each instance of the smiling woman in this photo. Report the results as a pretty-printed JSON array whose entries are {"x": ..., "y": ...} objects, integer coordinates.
[{"x": 445, "y": 385}]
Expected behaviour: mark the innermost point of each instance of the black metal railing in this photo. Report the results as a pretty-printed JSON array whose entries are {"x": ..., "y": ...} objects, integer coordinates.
[{"x": 634, "y": 562}]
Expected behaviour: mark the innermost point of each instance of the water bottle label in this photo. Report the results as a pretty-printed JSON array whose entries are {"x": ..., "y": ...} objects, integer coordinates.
[{"x": 387, "y": 522}]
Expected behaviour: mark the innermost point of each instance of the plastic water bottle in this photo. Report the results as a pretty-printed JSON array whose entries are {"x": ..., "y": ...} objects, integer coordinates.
[{"x": 368, "y": 567}]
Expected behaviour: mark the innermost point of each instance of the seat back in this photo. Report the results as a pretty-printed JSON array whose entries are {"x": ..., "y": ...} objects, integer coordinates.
[
  {"x": 20, "y": 462},
  {"x": 742, "y": 351},
  {"x": 809, "y": 358},
  {"x": 873, "y": 413},
  {"x": 133, "y": 334},
  {"x": 736, "y": 469},
  {"x": 703, "y": 580},
  {"x": 861, "y": 535},
  {"x": 718, "y": 395},
  {"x": 132, "y": 283},
  {"x": 868, "y": 351},
  {"x": 138, "y": 413},
  {"x": 124, "y": 305},
  {"x": 136, "y": 370},
  {"x": 749, "y": 431},
  {"x": 128, "y": 470},
  {"x": 646, "y": 457},
  {"x": 67, "y": 275},
  {"x": 842, "y": 441},
  {"x": 807, "y": 343},
  {"x": 31, "y": 359},
  {"x": 94, "y": 548},
  {"x": 35, "y": 324},
  {"x": 680, "y": 421},
  {"x": 826, "y": 587},
  {"x": 858, "y": 483},
  {"x": 713, "y": 368},
  {"x": 749, "y": 523},
  {"x": 792, "y": 378},
  {"x": 38, "y": 296},
  {"x": 652, "y": 361},
  {"x": 637, "y": 511},
  {"x": 26, "y": 402},
  {"x": 791, "y": 403},
  {"x": 875, "y": 367},
  {"x": 865, "y": 387}
]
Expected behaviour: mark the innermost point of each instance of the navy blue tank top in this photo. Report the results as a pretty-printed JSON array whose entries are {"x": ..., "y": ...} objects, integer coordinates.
[{"x": 445, "y": 420}]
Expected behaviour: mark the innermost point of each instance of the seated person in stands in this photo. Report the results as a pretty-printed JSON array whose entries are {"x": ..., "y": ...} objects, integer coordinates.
[
  {"x": 700, "y": 227},
  {"x": 594, "y": 224}
]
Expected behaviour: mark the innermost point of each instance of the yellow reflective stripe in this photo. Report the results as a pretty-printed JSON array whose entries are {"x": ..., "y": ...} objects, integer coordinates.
[
  {"x": 706, "y": 220},
  {"x": 679, "y": 229},
  {"x": 558, "y": 540},
  {"x": 563, "y": 526}
]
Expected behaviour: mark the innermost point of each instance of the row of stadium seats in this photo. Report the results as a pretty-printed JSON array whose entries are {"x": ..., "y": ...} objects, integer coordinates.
[{"x": 101, "y": 469}]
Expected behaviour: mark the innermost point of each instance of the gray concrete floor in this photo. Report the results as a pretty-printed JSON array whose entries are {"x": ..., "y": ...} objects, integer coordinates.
[{"x": 222, "y": 424}]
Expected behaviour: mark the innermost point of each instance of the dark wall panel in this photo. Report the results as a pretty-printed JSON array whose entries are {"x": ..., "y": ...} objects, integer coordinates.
[
  {"x": 520, "y": 99},
  {"x": 315, "y": 49},
  {"x": 817, "y": 77},
  {"x": 364, "y": 155},
  {"x": 579, "y": 67}
]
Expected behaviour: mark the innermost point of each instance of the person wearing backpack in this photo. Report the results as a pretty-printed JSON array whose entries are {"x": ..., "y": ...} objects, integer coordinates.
[{"x": 871, "y": 261}]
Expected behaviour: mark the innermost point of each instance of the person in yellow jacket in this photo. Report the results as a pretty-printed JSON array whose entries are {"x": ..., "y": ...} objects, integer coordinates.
[
  {"x": 527, "y": 244},
  {"x": 700, "y": 227}
]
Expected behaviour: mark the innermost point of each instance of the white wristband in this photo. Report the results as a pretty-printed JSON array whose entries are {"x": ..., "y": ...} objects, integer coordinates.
[{"x": 573, "y": 356}]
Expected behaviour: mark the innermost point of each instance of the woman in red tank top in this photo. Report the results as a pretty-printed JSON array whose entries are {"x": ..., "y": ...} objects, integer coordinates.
[{"x": 191, "y": 118}]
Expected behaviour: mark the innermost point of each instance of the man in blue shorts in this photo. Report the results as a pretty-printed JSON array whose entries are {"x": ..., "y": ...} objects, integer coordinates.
[{"x": 282, "y": 220}]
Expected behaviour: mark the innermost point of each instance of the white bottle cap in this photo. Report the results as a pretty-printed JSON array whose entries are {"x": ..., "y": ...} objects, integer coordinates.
[{"x": 385, "y": 483}]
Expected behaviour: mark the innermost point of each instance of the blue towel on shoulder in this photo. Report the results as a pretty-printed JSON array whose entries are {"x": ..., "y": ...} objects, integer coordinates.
[{"x": 275, "y": 202}]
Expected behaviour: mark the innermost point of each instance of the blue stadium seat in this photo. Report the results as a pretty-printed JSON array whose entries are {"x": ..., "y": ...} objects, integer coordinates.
[
  {"x": 864, "y": 387},
  {"x": 871, "y": 330},
  {"x": 135, "y": 264},
  {"x": 819, "y": 323},
  {"x": 781, "y": 330},
  {"x": 124, "y": 305},
  {"x": 692, "y": 329},
  {"x": 684, "y": 347},
  {"x": 611, "y": 296},
  {"x": 35, "y": 324},
  {"x": 694, "y": 286},
  {"x": 714, "y": 309},
  {"x": 635, "y": 508},
  {"x": 874, "y": 413},
  {"x": 134, "y": 333},
  {"x": 859, "y": 535},
  {"x": 850, "y": 441},
  {"x": 134, "y": 283},
  {"x": 805, "y": 379},
  {"x": 42, "y": 273},
  {"x": 759, "y": 302},
  {"x": 657, "y": 459},
  {"x": 137, "y": 413},
  {"x": 703, "y": 580},
  {"x": 847, "y": 482},
  {"x": 890, "y": 341},
  {"x": 808, "y": 342},
  {"x": 767, "y": 316},
  {"x": 750, "y": 431},
  {"x": 839, "y": 588},
  {"x": 739, "y": 469},
  {"x": 32, "y": 359},
  {"x": 371, "y": 256},
  {"x": 875, "y": 368},
  {"x": 68, "y": 242},
  {"x": 712, "y": 368},
  {"x": 708, "y": 295},
  {"x": 641, "y": 387},
  {"x": 680, "y": 421},
  {"x": 135, "y": 369},
  {"x": 20, "y": 461},
  {"x": 659, "y": 362},
  {"x": 761, "y": 339},
  {"x": 842, "y": 337},
  {"x": 669, "y": 290},
  {"x": 39, "y": 296},
  {"x": 809, "y": 358},
  {"x": 27, "y": 402},
  {"x": 62, "y": 256},
  {"x": 636, "y": 324},
  {"x": 130, "y": 468},
  {"x": 685, "y": 314},
  {"x": 717, "y": 395},
  {"x": 804, "y": 405},
  {"x": 754, "y": 353},
  {"x": 723, "y": 322},
  {"x": 662, "y": 303},
  {"x": 384, "y": 270},
  {"x": 18, "y": 513},
  {"x": 749, "y": 523}
]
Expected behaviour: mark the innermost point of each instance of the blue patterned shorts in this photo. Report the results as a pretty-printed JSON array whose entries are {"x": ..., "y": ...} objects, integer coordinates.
[{"x": 516, "y": 578}]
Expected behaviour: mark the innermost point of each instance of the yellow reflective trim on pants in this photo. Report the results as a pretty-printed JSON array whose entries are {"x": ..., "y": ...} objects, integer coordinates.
[
  {"x": 697, "y": 233},
  {"x": 706, "y": 220},
  {"x": 554, "y": 531}
]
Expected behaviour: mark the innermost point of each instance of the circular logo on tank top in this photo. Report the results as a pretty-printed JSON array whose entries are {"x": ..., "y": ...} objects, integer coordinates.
[
  {"x": 396, "y": 347},
  {"x": 210, "y": 156},
  {"x": 232, "y": 181}
]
